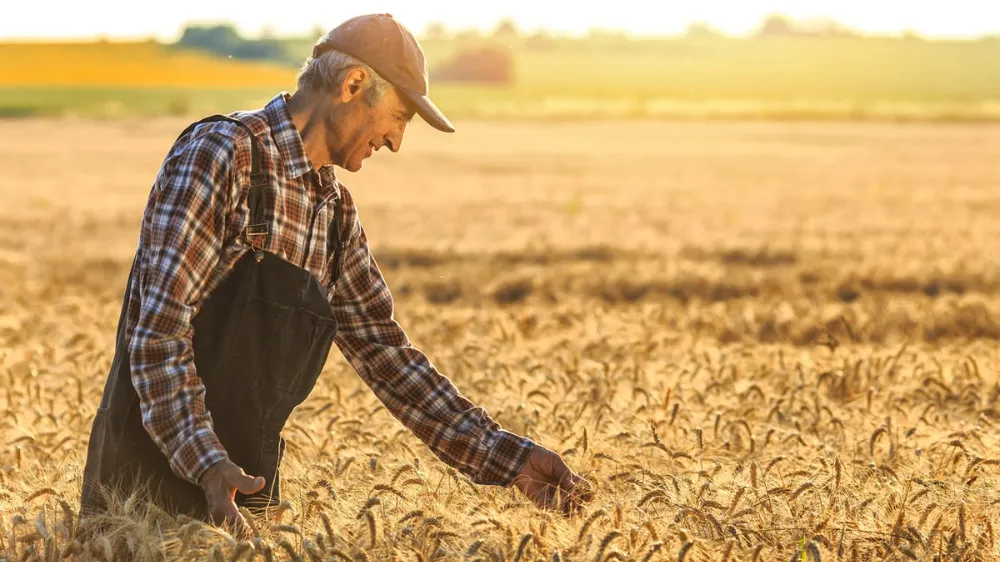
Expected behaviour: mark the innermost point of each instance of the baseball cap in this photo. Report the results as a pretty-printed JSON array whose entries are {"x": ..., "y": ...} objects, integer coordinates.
[{"x": 382, "y": 43}]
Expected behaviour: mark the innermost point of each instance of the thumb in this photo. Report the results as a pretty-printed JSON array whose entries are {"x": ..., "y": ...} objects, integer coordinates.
[
  {"x": 561, "y": 474},
  {"x": 246, "y": 484}
]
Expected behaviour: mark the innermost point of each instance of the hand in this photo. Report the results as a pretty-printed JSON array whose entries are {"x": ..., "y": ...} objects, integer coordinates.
[
  {"x": 550, "y": 484},
  {"x": 220, "y": 483}
]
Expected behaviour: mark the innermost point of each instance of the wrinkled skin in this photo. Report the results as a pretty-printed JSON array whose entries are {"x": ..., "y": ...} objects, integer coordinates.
[
  {"x": 550, "y": 484},
  {"x": 220, "y": 484},
  {"x": 344, "y": 129}
]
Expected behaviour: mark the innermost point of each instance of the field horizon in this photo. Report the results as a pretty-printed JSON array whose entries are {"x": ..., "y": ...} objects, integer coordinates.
[{"x": 789, "y": 78}]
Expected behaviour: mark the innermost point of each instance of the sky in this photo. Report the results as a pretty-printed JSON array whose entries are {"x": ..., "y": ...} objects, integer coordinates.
[{"x": 135, "y": 19}]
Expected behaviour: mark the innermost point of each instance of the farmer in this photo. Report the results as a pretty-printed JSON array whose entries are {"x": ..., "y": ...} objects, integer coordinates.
[{"x": 251, "y": 263}]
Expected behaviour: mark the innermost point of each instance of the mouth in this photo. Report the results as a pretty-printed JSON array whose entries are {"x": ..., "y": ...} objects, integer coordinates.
[{"x": 372, "y": 148}]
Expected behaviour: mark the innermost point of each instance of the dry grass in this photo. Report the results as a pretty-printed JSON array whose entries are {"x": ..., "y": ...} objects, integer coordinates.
[{"x": 759, "y": 341}]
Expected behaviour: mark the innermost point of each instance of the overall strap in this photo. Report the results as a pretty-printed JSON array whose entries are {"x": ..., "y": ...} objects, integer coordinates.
[{"x": 256, "y": 231}]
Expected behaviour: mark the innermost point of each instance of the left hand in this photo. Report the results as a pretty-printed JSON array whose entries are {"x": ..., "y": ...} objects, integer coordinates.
[{"x": 550, "y": 484}]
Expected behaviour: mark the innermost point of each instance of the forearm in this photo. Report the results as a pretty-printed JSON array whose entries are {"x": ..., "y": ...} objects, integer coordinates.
[
  {"x": 461, "y": 434},
  {"x": 180, "y": 244},
  {"x": 172, "y": 400}
]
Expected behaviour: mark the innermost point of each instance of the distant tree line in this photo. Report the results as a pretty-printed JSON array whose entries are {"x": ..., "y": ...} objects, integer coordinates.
[
  {"x": 773, "y": 25},
  {"x": 225, "y": 41},
  {"x": 488, "y": 57},
  {"x": 480, "y": 63}
]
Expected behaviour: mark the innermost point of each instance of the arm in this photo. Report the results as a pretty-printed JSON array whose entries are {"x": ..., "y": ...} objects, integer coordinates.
[
  {"x": 181, "y": 242},
  {"x": 404, "y": 380}
]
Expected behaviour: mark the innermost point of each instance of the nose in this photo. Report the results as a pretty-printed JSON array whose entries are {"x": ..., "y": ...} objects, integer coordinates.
[{"x": 395, "y": 138}]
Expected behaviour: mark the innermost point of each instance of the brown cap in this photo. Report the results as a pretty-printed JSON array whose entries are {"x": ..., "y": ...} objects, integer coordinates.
[{"x": 393, "y": 52}]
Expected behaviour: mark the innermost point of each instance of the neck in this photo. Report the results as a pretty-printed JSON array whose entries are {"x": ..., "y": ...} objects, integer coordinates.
[{"x": 307, "y": 111}]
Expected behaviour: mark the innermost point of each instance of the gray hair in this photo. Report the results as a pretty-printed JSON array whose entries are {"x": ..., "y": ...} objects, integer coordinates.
[{"x": 327, "y": 72}]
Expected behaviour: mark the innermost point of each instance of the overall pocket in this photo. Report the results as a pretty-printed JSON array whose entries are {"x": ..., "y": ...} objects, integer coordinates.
[{"x": 280, "y": 349}]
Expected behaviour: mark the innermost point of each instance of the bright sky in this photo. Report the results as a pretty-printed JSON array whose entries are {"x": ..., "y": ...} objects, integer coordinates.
[{"x": 126, "y": 19}]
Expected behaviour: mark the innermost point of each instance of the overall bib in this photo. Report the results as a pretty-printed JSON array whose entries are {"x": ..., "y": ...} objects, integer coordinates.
[{"x": 260, "y": 341}]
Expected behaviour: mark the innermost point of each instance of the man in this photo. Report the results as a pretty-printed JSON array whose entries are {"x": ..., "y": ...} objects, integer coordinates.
[{"x": 251, "y": 264}]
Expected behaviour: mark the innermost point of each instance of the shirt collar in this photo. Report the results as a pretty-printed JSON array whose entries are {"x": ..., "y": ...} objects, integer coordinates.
[
  {"x": 286, "y": 136},
  {"x": 290, "y": 145}
]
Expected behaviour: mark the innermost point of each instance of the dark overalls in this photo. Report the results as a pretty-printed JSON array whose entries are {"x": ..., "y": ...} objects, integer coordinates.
[{"x": 260, "y": 341}]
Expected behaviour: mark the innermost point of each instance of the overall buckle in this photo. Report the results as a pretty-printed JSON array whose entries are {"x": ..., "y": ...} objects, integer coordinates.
[{"x": 256, "y": 236}]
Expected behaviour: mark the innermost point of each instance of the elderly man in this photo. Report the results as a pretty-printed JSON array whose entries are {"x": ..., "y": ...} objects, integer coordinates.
[{"x": 251, "y": 263}]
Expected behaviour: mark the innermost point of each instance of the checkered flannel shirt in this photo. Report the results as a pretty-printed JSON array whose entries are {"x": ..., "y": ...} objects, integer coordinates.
[{"x": 190, "y": 236}]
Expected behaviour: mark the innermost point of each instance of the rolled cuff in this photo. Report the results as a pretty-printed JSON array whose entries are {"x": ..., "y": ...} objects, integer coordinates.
[
  {"x": 196, "y": 454},
  {"x": 504, "y": 460}
]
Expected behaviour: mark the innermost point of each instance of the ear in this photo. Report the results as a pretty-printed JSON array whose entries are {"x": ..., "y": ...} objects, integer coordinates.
[{"x": 353, "y": 84}]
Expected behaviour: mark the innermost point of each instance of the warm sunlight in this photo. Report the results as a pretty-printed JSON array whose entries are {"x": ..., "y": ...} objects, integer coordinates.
[
  {"x": 692, "y": 281},
  {"x": 127, "y": 19}
]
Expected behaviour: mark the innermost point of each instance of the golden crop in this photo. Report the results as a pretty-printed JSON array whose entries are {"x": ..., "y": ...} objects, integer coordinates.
[
  {"x": 758, "y": 341},
  {"x": 132, "y": 65}
]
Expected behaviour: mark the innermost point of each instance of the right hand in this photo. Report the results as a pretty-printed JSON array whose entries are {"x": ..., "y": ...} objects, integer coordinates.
[{"x": 220, "y": 484}]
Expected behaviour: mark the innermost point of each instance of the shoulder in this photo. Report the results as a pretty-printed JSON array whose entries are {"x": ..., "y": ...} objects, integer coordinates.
[
  {"x": 204, "y": 149},
  {"x": 216, "y": 154},
  {"x": 221, "y": 145}
]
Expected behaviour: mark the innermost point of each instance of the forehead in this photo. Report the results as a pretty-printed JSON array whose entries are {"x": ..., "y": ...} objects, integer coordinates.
[{"x": 393, "y": 101}]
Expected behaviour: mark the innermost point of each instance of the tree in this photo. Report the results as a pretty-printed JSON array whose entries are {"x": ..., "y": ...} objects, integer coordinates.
[
  {"x": 218, "y": 39},
  {"x": 489, "y": 64},
  {"x": 435, "y": 31},
  {"x": 776, "y": 25},
  {"x": 702, "y": 30},
  {"x": 223, "y": 40},
  {"x": 505, "y": 29}
]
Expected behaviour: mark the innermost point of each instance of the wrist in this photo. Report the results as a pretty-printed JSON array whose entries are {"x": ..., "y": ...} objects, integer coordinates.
[
  {"x": 211, "y": 473},
  {"x": 198, "y": 450},
  {"x": 505, "y": 460}
]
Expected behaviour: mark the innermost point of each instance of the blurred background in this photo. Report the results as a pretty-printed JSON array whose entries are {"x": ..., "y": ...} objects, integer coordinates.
[{"x": 624, "y": 59}]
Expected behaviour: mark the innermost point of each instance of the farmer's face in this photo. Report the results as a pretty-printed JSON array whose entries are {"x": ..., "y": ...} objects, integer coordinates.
[{"x": 360, "y": 127}]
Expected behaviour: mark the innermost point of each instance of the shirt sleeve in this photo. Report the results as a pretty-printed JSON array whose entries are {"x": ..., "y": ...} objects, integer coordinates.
[
  {"x": 402, "y": 377},
  {"x": 181, "y": 241}
]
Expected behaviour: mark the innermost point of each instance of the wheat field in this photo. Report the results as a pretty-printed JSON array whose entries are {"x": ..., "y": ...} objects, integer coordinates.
[{"x": 759, "y": 341}]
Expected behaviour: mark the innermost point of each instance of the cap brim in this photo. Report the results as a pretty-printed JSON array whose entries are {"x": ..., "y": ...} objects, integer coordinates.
[{"x": 426, "y": 109}]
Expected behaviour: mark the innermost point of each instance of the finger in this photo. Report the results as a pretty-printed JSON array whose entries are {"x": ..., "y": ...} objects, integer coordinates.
[
  {"x": 247, "y": 484},
  {"x": 564, "y": 477},
  {"x": 547, "y": 497},
  {"x": 232, "y": 512},
  {"x": 577, "y": 485},
  {"x": 576, "y": 492},
  {"x": 584, "y": 490},
  {"x": 239, "y": 527},
  {"x": 223, "y": 512}
]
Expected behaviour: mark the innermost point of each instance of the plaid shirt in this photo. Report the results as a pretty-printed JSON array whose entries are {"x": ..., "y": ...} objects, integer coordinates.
[{"x": 191, "y": 236}]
